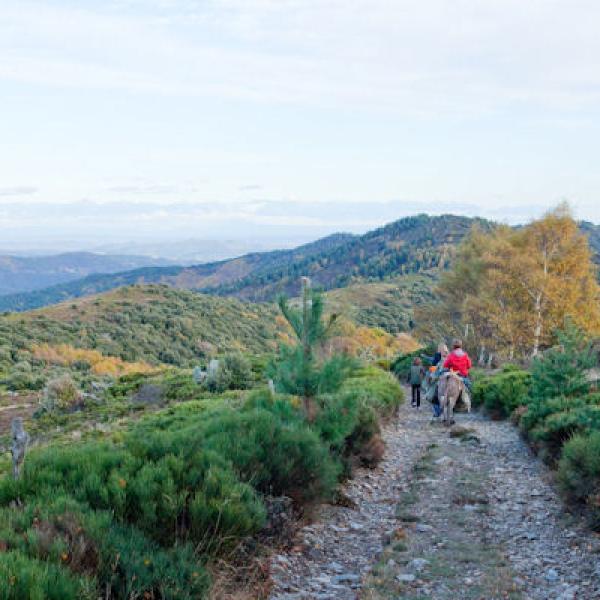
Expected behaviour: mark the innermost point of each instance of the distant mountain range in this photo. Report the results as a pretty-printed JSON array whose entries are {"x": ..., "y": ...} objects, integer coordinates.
[
  {"x": 28, "y": 273},
  {"x": 193, "y": 251},
  {"x": 413, "y": 245}
]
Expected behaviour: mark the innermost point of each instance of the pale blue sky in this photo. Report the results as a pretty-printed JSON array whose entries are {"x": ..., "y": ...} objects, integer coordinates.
[{"x": 132, "y": 119}]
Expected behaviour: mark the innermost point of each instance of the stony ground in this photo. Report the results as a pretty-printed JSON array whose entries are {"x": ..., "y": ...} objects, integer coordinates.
[{"x": 466, "y": 513}]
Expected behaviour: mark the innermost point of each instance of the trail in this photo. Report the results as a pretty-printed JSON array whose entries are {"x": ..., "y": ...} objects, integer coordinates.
[{"x": 447, "y": 515}]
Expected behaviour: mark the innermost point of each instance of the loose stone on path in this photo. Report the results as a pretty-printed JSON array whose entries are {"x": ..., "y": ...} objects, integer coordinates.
[{"x": 469, "y": 516}]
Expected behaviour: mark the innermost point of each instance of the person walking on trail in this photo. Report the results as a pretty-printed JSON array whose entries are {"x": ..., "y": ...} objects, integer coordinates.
[
  {"x": 458, "y": 360},
  {"x": 415, "y": 378}
]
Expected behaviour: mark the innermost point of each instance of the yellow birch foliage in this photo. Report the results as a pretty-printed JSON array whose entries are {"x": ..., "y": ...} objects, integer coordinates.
[
  {"x": 510, "y": 290},
  {"x": 66, "y": 355}
]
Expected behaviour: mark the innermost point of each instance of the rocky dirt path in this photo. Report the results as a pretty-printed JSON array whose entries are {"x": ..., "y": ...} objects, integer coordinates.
[{"x": 467, "y": 513}]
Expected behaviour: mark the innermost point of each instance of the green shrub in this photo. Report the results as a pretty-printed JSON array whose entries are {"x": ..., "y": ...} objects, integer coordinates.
[
  {"x": 294, "y": 374},
  {"x": 538, "y": 410},
  {"x": 502, "y": 393},
  {"x": 285, "y": 407},
  {"x": 558, "y": 427},
  {"x": 120, "y": 558},
  {"x": 336, "y": 420},
  {"x": 562, "y": 370},
  {"x": 61, "y": 394},
  {"x": 579, "y": 473},
  {"x": 377, "y": 389},
  {"x": 234, "y": 373},
  {"x": 23, "y": 578},
  {"x": 134, "y": 567},
  {"x": 153, "y": 493},
  {"x": 276, "y": 458}
]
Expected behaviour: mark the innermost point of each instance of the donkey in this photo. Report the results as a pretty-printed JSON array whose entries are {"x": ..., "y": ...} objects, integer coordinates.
[{"x": 450, "y": 388}]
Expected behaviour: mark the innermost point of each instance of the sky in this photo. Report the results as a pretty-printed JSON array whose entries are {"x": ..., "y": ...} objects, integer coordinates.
[{"x": 289, "y": 119}]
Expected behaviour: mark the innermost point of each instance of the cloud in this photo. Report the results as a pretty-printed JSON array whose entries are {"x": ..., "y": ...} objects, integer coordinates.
[
  {"x": 421, "y": 59},
  {"x": 23, "y": 190},
  {"x": 150, "y": 189}
]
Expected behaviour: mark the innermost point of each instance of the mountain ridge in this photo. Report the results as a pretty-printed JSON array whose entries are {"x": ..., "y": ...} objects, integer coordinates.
[{"x": 410, "y": 245}]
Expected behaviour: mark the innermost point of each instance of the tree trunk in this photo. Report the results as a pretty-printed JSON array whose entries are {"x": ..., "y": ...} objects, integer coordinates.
[
  {"x": 537, "y": 331},
  {"x": 481, "y": 360},
  {"x": 306, "y": 349}
]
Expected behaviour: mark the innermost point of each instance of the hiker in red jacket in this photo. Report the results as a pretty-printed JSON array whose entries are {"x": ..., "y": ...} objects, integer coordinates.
[{"x": 458, "y": 360}]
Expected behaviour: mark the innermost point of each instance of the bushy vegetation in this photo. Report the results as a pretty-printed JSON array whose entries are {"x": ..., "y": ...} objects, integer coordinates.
[
  {"x": 501, "y": 394},
  {"x": 142, "y": 513},
  {"x": 61, "y": 394},
  {"x": 234, "y": 373},
  {"x": 579, "y": 473},
  {"x": 139, "y": 507},
  {"x": 387, "y": 305},
  {"x": 558, "y": 411}
]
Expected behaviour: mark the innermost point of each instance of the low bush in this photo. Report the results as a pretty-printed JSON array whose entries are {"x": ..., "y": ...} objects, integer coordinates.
[
  {"x": 377, "y": 389},
  {"x": 90, "y": 549},
  {"x": 562, "y": 370},
  {"x": 136, "y": 516},
  {"x": 579, "y": 473},
  {"x": 24, "y": 578},
  {"x": 276, "y": 458},
  {"x": 538, "y": 410},
  {"x": 501, "y": 394},
  {"x": 234, "y": 373},
  {"x": 557, "y": 427}
]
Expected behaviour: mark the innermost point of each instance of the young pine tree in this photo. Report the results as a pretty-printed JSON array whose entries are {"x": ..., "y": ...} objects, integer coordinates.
[
  {"x": 299, "y": 370},
  {"x": 562, "y": 370}
]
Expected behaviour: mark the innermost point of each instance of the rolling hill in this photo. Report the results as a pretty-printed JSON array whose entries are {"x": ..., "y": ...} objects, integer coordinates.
[
  {"x": 155, "y": 324},
  {"x": 388, "y": 305},
  {"x": 412, "y": 245},
  {"x": 194, "y": 277},
  {"x": 28, "y": 273}
]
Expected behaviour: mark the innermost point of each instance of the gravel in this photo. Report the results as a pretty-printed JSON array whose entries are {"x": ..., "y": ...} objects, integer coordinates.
[{"x": 515, "y": 513}]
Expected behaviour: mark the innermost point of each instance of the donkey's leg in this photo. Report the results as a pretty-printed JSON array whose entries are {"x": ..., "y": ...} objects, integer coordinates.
[{"x": 445, "y": 411}]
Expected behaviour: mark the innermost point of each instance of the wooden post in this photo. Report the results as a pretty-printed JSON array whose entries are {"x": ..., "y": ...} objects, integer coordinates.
[{"x": 19, "y": 445}]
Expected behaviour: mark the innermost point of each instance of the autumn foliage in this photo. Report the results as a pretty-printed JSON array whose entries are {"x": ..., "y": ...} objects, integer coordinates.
[
  {"x": 512, "y": 289},
  {"x": 67, "y": 356}
]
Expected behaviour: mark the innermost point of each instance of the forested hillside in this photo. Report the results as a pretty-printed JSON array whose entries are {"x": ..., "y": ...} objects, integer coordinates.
[
  {"x": 412, "y": 245},
  {"x": 409, "y": 245},
  {"x": 195, "y": 277}
]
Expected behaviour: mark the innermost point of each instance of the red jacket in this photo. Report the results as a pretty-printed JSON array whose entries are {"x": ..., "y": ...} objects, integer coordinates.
[{"x": 458, "y": 360}]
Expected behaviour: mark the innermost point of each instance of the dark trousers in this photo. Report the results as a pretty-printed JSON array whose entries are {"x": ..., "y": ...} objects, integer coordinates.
[{"x": 416, "y": 394}]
